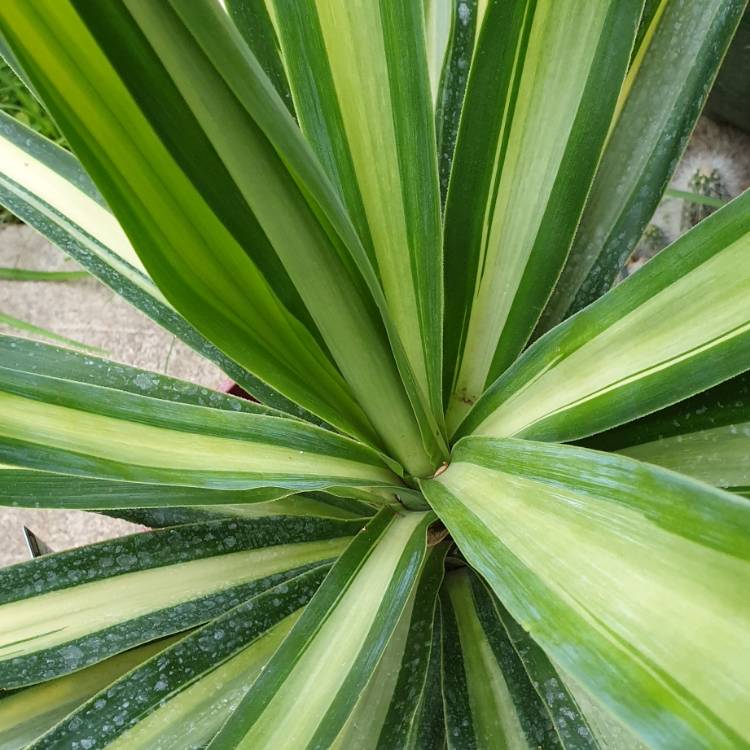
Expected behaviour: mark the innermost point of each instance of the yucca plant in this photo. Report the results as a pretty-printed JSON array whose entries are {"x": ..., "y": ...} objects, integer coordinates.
[{"x": 481, "y": 500}]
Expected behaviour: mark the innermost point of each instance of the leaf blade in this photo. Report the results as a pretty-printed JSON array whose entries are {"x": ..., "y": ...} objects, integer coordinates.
[
  {"x": 636, "y": 349},
  {"x": 705, "y": 437},
  {"x": 395, "y": 545},
  {"x": 48, "y": 188},
  {"x": 528, "y": 144},
  {"x": 64, "y": 611},
  {"x": 185, "y": 695},
  {"x": 173, "y": 229},
  {"x": 668, "y": 82},
  {"x": 367, "y": 113},
  {"x": 114, "y": 422},
  {"x": 27, "y": 714},
  {"x": 499, "y": 680},
  {"x": 614, "y": 518}
]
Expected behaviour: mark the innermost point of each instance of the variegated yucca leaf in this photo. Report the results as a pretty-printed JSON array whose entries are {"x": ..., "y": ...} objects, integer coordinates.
[
  {"x": 254, "y": 22},
  {"x": 706, "y": 436},
  {"x": 74, "y": 608},
  {"x": 239, "y": 298},
  {"x": 533, "y": 123},
  {"x": 363, "y": 212},
  {"x": 663, "y": 94},
  {"x": 348, "y": 628},
  {"x": 183, "y": 695},
  {"x": 119, "y": 424},
  {"x": 494, "y": 673},
  {"x": 607, "y": 561},
  {"x": 28, "y": 713},
  {"x": 451, "y": 28},
  {"x": 637, "y": 348},
  {"x": 379, "y": 152},
  {"x": 47, "y": 188}
]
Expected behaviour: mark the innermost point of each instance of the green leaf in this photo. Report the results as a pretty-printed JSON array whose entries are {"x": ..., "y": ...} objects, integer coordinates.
[
  {"x": 24, "y": 274},
  {"x": 46, "y": 186},
  {"x": 315, "y": 504},
  {"x": 449, "y": 92},
  {"x": 640, "y": 347},
  {"x": 419, "y": 723},
  {"x": 389, "y": 709},
  {"x": 116, "y": 424},
  {"x": 499, "y": 679},
  {"x": 31, "y": 357},
  {"x": 26, "y": 714},
  {"x": 633, "y": 579},
  {"x": 610, "y": 733},
  {"x": 706, "y": 436},
  {"x": 22, "y": 325},
  {"x": 701, "y": 200},
  {"x": 324, "y": 274},
  {"x": 183, "y": 696},
  {"x": 62, "y": 612},
  {"x": 358, "y": 74},
  {"x": 438, "y": 27},
  {"x": 429, "y": 724},
  {"x": 541, "y": 92},
  {"x": 661, "y": 100},
  {"x": 337, "y": 642},
  {"x": 378, "y": 386},
  {"x": 165, "y": 186},
  {"x": 253, "y": 21},
  {"x": 29, "y": 488},
  {"x": 12, "y": 62},
  {"x": 293, "y": 201}
]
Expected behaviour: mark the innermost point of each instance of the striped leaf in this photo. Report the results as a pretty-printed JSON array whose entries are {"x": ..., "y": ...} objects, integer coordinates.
[
  {"x": 450, "y": 50},
  {"x": 28, "y": 713},
  {"x": 62, "y": 612},
  {"x": 359, "y": 77},
  {"x": 24, "y": 274},
  {"x": 609, "y": 733},
  {"x": 25, "y": 327},
  {"x": 236, "y": 300},
  {"x": 182, "y": 697},
  {"x": 371, "y": 375},
  {"x": 30, "y": 488},
  {"x": 638, "y": 348},
  {"x": 392, "y": 707},
  {"x": 47, "y": 188},
  {"x": 98, "y": 424},
  {"x": 253, "y": 21},
  {"x": 428, "y": 728},
  {"x": 450, "y": 26},
  {"x": 498, "y": 678},
  {"x": 326, "y": 275},
  {"x": 633, "y": 579},
  {"x": 165, "y": 505},
  {"x": 660, "y": 101},
  {"x": 540, "y": 97},
  {"x": 706, "y": 436},
  {"x": 337, "y": 642},
  {"x": 316, "y": 504},
  {"x": 30, "y": 357},
  {"x": 438, "y": 22}
]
